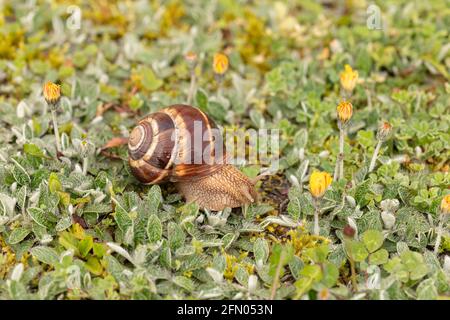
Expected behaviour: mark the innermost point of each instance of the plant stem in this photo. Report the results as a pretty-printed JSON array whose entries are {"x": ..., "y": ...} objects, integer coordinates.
[
  {"x": 191, "y": 88},
  {"x": 336, "y": 169},
  {"x": 219, "y": 79},
  {"x": 353, "y": 276},
  {"x": 85, "y": 165},
  {"x": 352, "y": 264},
  {"x": 369, "y": 99},
  {"x": 55, "y": 130},
  {"x": 316, "y": 218},
  {"x": 341, "y": 152},
  {"x": 276, "y": 277},
  {"x": 442, "y": 220},
  {"x": 375, "y": 155}
]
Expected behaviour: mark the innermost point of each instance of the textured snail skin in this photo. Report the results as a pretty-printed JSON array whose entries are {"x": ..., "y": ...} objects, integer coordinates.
[
  {"x": 152, "y": 155},
  {"x": 227, "y": 187}
]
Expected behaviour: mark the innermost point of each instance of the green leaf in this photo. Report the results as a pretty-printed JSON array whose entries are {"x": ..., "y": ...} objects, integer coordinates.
[
  {"x": 41, "y": 218},
  {"x": 122, "y": 218},
  {"x": 426, "y": 290},
  {"x": 358, "y": 251},
  {"x": 53, "y": 183},
  {"x": 63, "y": 223},
  {"x": 317, "y": 254},
  {"x": 45, "y": 255},
  {"x": 415, "y": 264},
  {"x": 296, "y": 265},
  {"x": 184, "y": 283},
  {"x": 361, "y": 192},
  {"x": 175, "y": 235},
  {"x": 154, "y": 229},
  {"x": 149, "y": 80},
  {"x": 379, "y": 257},
  {"x": 165, "y": 257},
  {"x": 330, "y": 274},
  {"x": 312, "y": 271},
  {"x": 153, "y": 199},
  {"x": 94, "y": 266},
  {"x": 281, "y": 255},
  {"x": 228, "y": 239},
  {"x": 303, "y": 285},
  {"x": 373, "y": 239},
  {"x": 17, "y": 235},
  {"x": 365, "y": 138},
  {"x": 68, "y": 241},
  {"x": 97, "y": 208},
  {"x": 99, "y": 249},
  {"x": 261, "y": 250},
  {"x": 20, "y": 174},
  {"x": 34, "y": 150},
  {"x": 85, "y": 245},
  {"x": 217, "y": 111},
  {"x": 22, "y": 197},
  {"x": 202, "y": 99}
]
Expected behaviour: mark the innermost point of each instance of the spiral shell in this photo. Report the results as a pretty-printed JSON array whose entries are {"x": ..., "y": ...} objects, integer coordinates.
[{"x": 166, "y": 146}]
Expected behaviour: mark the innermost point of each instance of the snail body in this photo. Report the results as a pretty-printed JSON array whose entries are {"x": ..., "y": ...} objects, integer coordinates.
[{"x": 180, "y": 144}]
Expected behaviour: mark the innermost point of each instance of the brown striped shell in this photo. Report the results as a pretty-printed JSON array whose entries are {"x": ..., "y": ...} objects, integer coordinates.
[{"x": 159, "y": 151}]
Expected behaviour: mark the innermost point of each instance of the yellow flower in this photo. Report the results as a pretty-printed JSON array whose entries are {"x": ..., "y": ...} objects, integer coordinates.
[
  {"x": 220, "y": 63},
  {"x": 319, "y": 183},
  {"x": 348, "y": 78},
  {"x": 344, "y": 111},
  {"x": 52, "y": 92},
  {"x": 445, "y": 204}
]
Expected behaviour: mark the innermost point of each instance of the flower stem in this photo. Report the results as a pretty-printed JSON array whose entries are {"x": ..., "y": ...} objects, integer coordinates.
[
  {"x": 219, "y": 79},
  {"x": 352, "y": 264},
  {"x": 341, "y": 152},
  {"x": 339, "y": 169},
  {"x": 56, "y": 131},
  {"x": 375, "y": 155},
  {"x": 316, "y": 229},
  {"x": 353, "y": 275},
  {"x": 439, "y": 234},
  {"x": 276, "y": 277},
  {"x": 336, "y": 169},
  {"x": 85, "y": 165},
  {"x": 191, "y": 88}
]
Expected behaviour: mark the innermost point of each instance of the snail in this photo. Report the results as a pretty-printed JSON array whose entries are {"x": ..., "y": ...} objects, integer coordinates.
[{"x": 165, "y": 147}]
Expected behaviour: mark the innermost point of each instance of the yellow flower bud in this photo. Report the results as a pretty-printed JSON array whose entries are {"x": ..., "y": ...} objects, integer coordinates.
[
  {"x": 52, "y": 92},
  {"x": 344, "y": 111},
  {"x": 348, "y": 78},
  {"x": 220, "y": 63},
  {"x": 319, "y": 183},
  {"x": 445, "y": 204}
]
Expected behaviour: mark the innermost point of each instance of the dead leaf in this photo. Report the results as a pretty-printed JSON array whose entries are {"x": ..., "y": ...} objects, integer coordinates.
[{"x": 115, "y": 142}]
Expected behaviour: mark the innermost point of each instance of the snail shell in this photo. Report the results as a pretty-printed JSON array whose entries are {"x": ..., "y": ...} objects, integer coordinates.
[{"x": 167, "y": 146}]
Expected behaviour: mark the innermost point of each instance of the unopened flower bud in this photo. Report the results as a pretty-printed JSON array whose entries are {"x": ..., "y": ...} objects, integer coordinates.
[
  {"x": 319, "y": 183},
  {"x": 344, "y": 111},
  {"x": 52, "y": 93},
  {"x": 349, "y": 231},
  {"x": 445, "y": 204},
  {"x": 384, "y": 130},
  {"x": 220, "y": 63},
  {"x": 191, "y": 59}
]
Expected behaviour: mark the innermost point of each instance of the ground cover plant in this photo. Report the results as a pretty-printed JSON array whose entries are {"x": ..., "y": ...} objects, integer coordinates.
[{"x": 358, "y": 208}]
